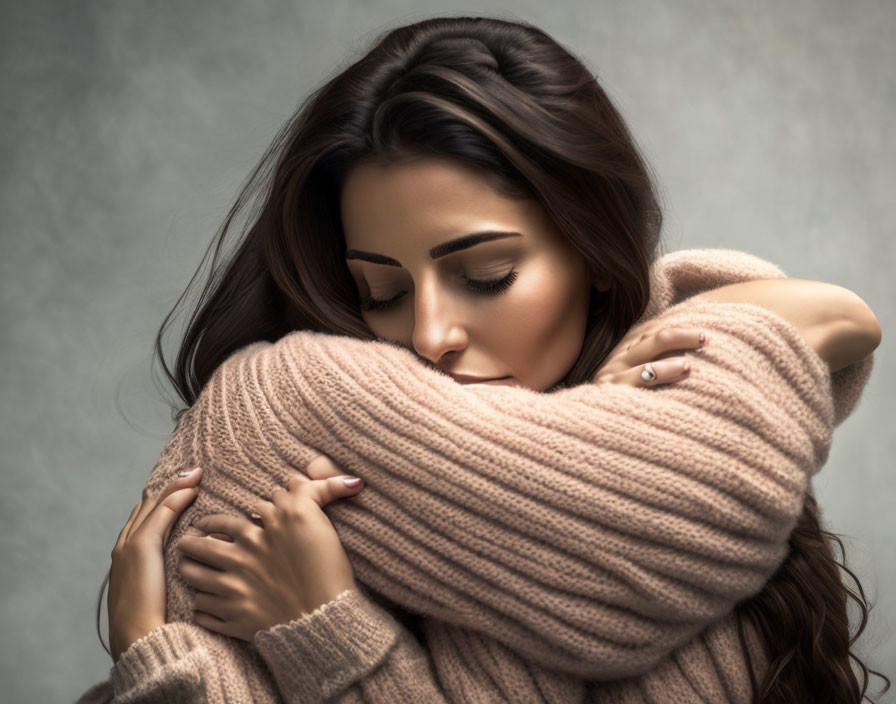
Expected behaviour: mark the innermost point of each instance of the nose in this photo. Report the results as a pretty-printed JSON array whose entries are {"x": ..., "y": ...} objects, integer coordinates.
[{"x": 437, "y": 327}]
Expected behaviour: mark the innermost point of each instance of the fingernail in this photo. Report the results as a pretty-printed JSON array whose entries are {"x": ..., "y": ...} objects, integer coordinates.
[
  {"x": 352, "y": 482},
  {"x": 702, "y": 337},
  {"x": 686, "y": 366},
  {"x": 188, "y": 472}
]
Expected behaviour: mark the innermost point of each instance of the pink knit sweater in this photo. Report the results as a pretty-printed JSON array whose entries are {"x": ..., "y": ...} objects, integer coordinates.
[{"x": 585, "y": 545}]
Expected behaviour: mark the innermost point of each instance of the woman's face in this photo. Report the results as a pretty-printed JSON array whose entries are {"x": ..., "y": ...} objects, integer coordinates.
[{"x": 410, "y": 233}]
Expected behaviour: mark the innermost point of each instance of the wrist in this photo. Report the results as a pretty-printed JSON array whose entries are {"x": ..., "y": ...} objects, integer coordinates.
[
  {"x": 124, "y": 640},
  {"x": 325, "y": 596}
]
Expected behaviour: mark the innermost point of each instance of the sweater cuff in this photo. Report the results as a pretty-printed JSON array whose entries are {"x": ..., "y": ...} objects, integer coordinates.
[
  {"x": 319, "y": 654},
  {"x": 164, "y": 650}
]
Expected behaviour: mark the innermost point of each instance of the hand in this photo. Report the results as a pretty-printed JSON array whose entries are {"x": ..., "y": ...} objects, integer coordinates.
[
  {"x": 649, "y": 342},
  {"x": 136, "y": 598},
  {"x": 256, "y": 577}
]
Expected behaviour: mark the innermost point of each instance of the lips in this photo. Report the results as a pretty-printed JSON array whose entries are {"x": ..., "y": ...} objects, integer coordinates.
[
  {"x": 463, "y": 379},
  {"x": 503, "y": 381}
]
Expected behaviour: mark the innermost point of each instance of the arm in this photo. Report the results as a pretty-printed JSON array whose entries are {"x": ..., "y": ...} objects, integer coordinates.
[
  {"x": 348, "y": 650},
  {"x": 590, "y": 561},
  {"x": 835, "y": 321},
  {"x": 345, "y": 647},
  {"x": 591, "y": 530},
  {"x": 330, "y": 660},
  {"x": 180, "y": 661}
]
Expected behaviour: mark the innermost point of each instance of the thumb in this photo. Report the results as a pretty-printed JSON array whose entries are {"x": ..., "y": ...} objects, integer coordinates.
[
  {"x": 323, "y": 491},
  {"x": 162, "y": 517},
  {"x": 323, "y": 467}
]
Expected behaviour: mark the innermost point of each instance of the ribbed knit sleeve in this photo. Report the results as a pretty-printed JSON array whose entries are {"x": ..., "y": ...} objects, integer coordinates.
[
  {"x": 600, "y": 532},
  {"x": 166, "y": 665},
  {"x": 593, "y": 530},
  {"x": 347, "y": 650}
]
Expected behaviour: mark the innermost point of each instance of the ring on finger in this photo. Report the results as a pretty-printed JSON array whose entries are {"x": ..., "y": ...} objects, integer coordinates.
[{"x": 648, "y": 374}]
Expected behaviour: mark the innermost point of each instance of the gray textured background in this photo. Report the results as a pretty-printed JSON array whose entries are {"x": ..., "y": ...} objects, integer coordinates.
[{"x": 127, "y": 128}]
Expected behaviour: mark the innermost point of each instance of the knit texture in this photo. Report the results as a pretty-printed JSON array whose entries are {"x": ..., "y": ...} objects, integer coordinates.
[{"x": 584, "y": 545}]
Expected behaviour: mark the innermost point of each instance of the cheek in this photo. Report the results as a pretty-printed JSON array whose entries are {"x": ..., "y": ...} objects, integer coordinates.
[{"x": 543, "y": 331}]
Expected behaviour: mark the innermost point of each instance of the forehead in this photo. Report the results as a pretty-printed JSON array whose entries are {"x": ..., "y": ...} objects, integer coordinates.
[{"x": 422, "y": 203}]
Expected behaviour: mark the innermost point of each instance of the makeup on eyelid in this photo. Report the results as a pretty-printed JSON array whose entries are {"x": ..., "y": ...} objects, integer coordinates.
[{"x": 484, "y": 286}]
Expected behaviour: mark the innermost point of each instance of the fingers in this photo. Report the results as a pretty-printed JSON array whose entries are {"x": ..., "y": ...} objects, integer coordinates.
[
  {"x": 162, "y": 518},
  {"x": 213, "y": 623},
  {"x": 263, "y": 513},
  {"x": 322, "y": 467},
  {"x": 321, "y": 491},
  {"x": 150, "y": 501},
  {"x": 201, "y": 576},
  {"x": 652, "y": 344},
  {"x": 213, "y": 605},
  {"x": 209, "y": 551},
  {"x": 659, "y": 372},
  {"x": 232, "y": 526},
  {"x": 157, "y": 513},
  {"x": 650, "y": 362}
]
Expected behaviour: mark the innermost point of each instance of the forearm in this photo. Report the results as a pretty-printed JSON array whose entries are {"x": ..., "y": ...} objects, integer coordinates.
[
  {"x": 346, "y": 651},
  {"x": 835, "y": 321},
  {"x": 550, "y": 519},
  {"x": 592, "y": 541},
  {"x": 352, "y": 650},
  {"x": 183, "y": 662}
]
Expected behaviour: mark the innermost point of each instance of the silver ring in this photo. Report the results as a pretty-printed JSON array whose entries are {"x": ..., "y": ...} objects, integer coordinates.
[{"x": 648, "y": 374}]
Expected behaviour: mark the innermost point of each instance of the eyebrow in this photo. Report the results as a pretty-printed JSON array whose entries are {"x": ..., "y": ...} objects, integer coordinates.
[{"x": 440, "y": 250}]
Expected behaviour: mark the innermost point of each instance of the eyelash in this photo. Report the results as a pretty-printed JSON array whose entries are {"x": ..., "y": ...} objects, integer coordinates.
[{"x": 488, "y": 287}]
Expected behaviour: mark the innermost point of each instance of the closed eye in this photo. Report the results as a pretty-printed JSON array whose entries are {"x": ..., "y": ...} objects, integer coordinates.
[{"x": 489, "y": 287}]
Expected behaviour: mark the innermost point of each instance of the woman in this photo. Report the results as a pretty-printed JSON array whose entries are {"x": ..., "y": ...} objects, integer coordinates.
[{"x": 456, "y": 125}]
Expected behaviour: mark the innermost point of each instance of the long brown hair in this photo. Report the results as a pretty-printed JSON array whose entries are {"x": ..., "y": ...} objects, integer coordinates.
[{"x": 507, "y": 99}]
